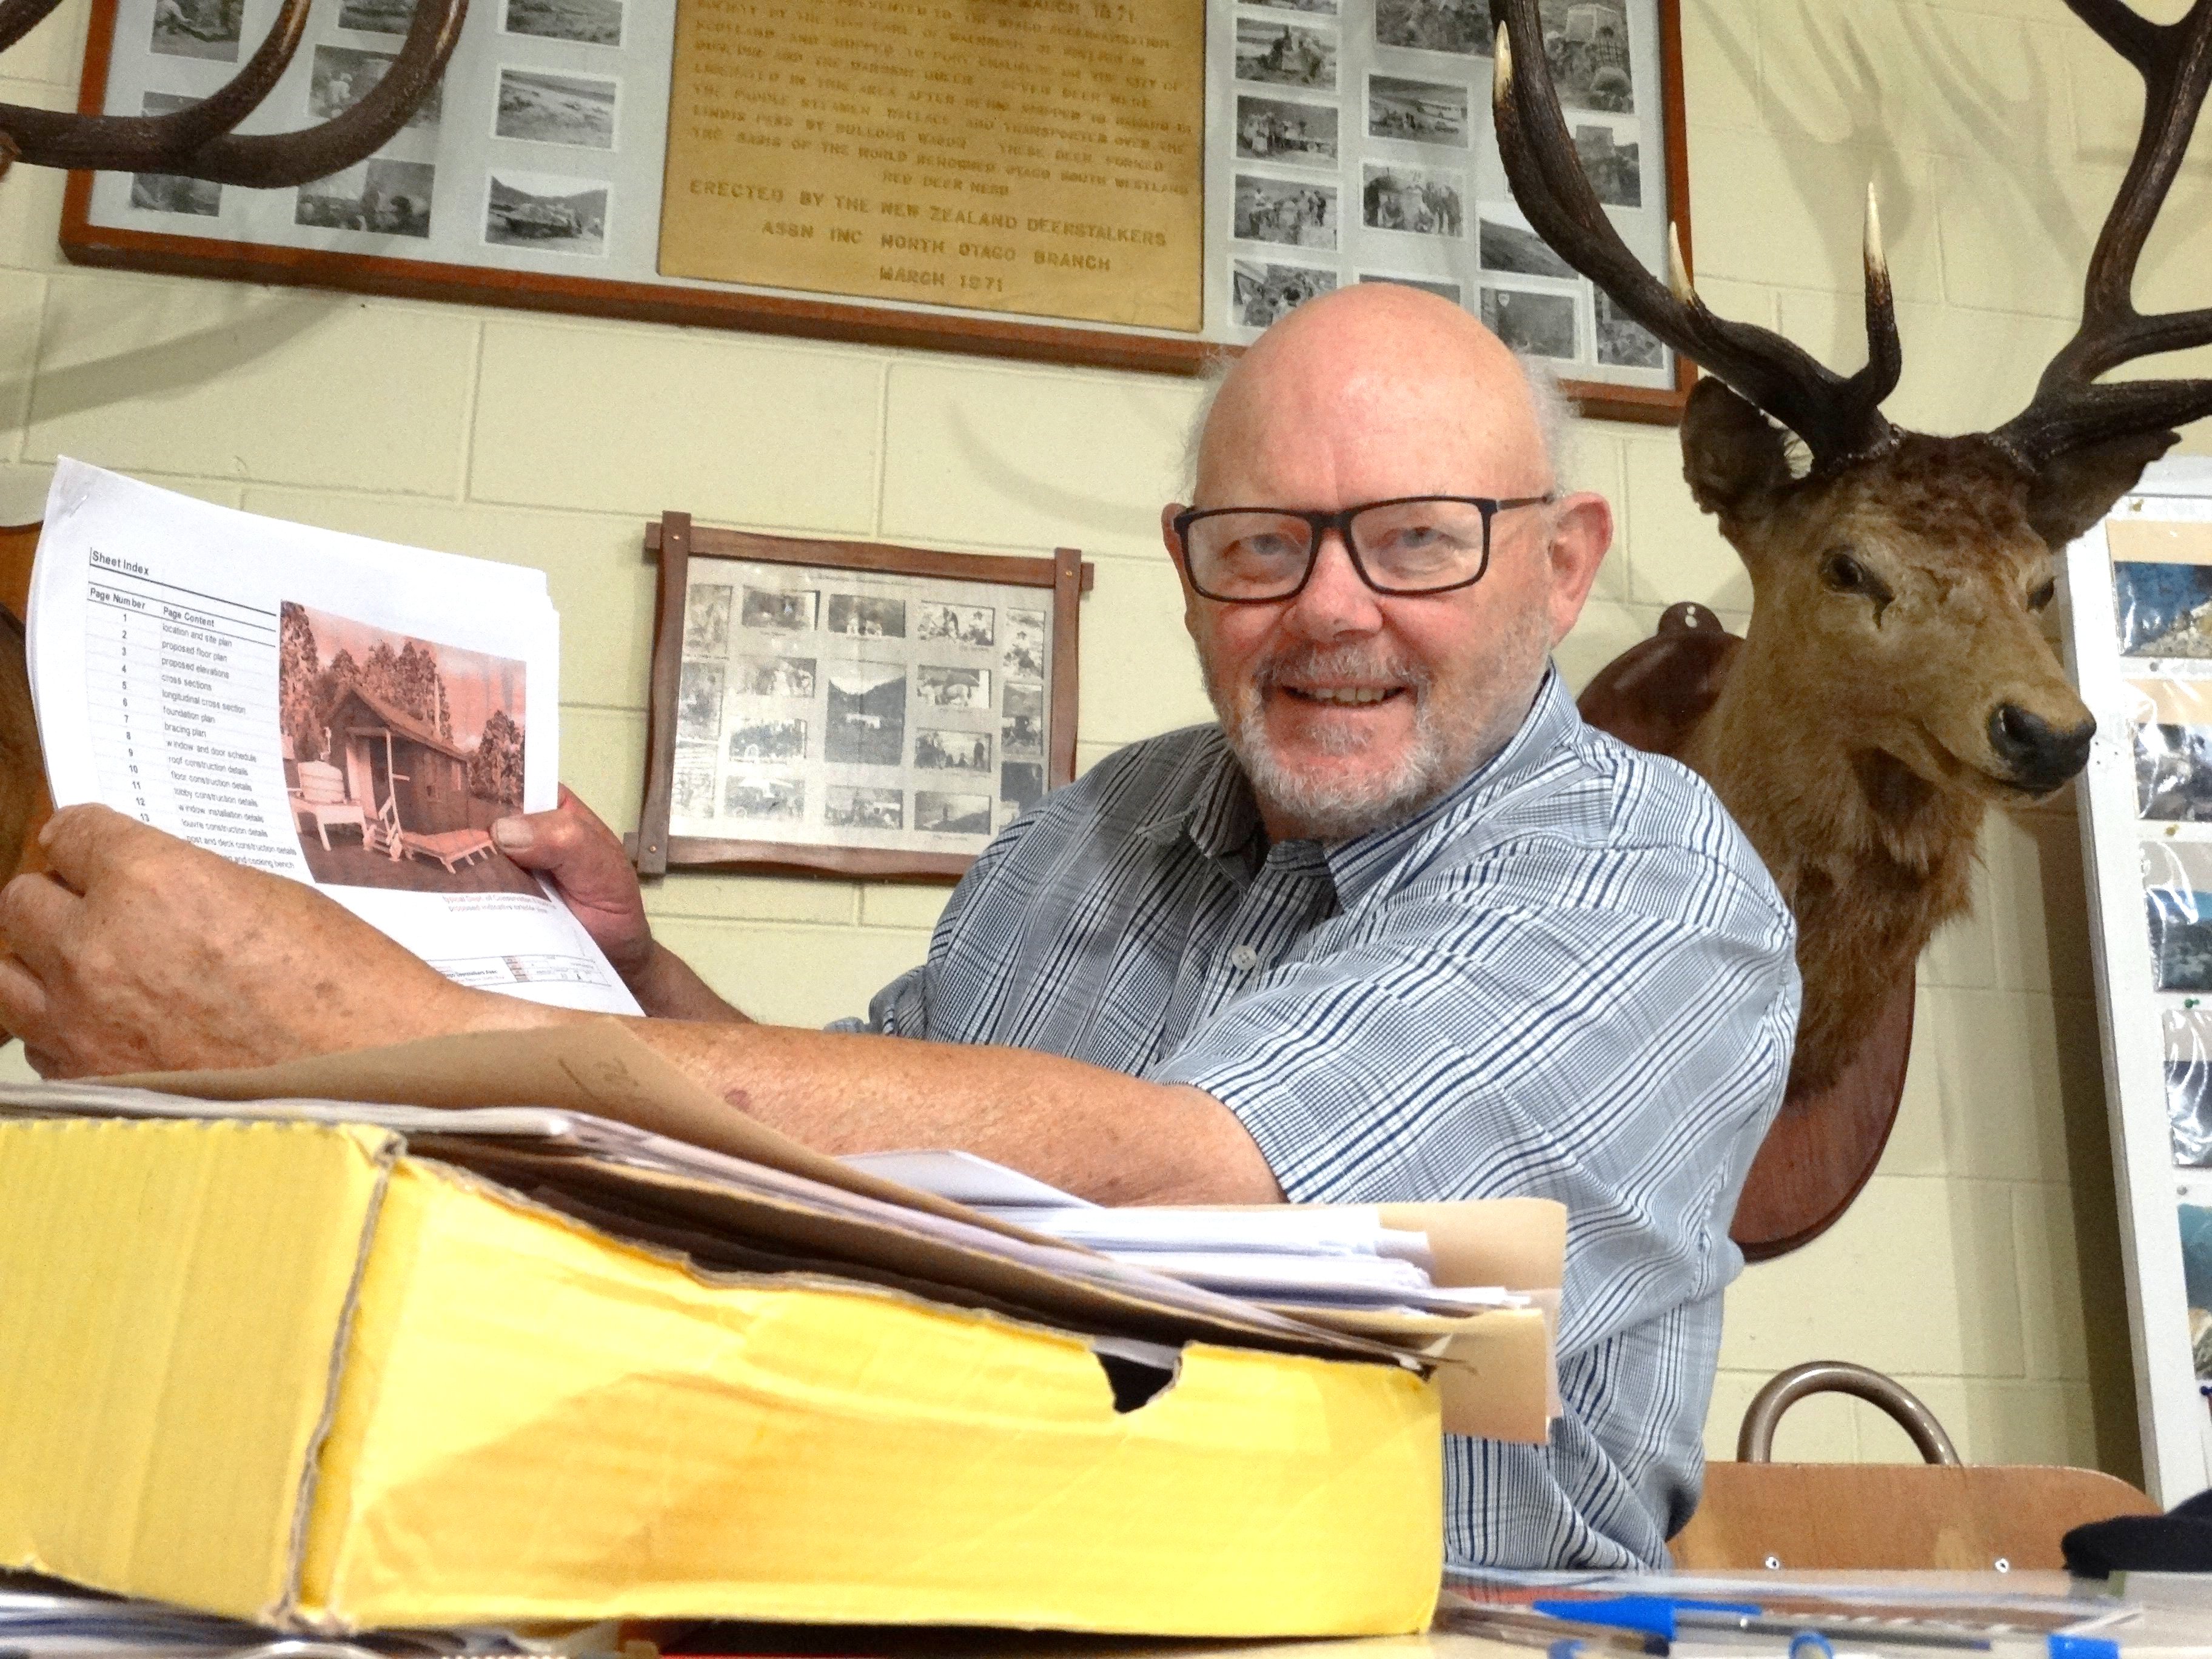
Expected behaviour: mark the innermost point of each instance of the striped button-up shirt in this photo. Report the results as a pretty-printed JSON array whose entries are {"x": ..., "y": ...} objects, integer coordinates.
[{"x": 1569, "y": 977}]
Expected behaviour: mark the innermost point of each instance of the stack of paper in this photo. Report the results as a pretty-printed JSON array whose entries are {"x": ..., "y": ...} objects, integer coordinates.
[
  {"x": 1323, "y": 1256},
  {"x": 347, "y": 712}
]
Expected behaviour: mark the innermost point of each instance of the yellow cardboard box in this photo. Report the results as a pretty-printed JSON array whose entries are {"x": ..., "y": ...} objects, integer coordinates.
[{"x": 336, "y": 1375}]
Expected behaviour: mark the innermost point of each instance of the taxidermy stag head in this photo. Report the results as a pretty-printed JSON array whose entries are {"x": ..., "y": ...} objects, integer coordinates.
[
  {"x": 1894, "y": 679},
  {"x": 197, "y": 142}
]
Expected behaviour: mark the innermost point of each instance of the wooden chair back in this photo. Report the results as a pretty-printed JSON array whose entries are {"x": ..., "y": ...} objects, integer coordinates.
[
  {"x": 1957, "y": 1517},
  {"x": 24, "y": 803},
  {"x": 1941, "y": 1514}
]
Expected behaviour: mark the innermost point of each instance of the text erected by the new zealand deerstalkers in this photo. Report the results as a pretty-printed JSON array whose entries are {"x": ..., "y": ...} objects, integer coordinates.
[{"x": 1039, "y": 157}]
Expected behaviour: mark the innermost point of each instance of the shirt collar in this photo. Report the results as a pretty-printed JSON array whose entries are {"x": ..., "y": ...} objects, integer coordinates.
[{"x": 1216, "y": 810}]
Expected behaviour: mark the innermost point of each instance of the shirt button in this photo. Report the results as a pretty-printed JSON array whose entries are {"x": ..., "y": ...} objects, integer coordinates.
[{"x": 1244, "y": 957}]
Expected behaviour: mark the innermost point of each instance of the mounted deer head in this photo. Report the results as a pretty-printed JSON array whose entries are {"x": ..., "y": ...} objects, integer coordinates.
[
  {"x": 197, "y": 142},
  {"x": 1894, "y": 678}
]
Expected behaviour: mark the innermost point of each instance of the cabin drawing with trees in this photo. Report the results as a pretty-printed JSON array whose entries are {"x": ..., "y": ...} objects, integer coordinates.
[{"x": 400, "y": 755}]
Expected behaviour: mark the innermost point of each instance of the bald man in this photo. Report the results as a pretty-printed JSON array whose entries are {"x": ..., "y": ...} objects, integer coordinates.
[{"x": 1399, "y": 927}]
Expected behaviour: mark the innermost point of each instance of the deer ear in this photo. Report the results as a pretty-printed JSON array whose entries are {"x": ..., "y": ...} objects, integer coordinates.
[
  {"x": 2072, "y": 490},
  {"x": 1731, "y": 454}
]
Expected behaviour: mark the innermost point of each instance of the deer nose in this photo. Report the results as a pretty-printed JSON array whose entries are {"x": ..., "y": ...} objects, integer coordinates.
[{"x": 2038, "y": 756}]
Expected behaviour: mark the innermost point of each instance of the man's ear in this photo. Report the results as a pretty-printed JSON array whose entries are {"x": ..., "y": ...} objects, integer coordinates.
[
  {"x": 2075, "y": 490},
  {"x": 1582, "y": 530},
  {"x": 1732, "y": 454},
  {"x": 1174, "y": 545}
]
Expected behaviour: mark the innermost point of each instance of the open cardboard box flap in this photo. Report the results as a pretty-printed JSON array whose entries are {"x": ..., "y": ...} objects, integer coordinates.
[{"x": 1497, "y": 1368}]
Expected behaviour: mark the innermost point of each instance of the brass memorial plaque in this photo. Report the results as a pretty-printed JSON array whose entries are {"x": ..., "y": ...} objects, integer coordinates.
[{"x": 1041, "y": 157}]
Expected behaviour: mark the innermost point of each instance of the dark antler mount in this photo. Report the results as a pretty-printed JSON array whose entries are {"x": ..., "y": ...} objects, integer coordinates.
[
  {"x": 1839, "y": 419},
  {"x": 200, "y": 142},
  {"x": 2070, "y": 412}
]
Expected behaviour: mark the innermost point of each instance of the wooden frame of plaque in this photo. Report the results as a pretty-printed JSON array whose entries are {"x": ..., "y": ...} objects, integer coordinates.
[
  {"x": 102, "y": 215},
  {"x": 798, "y": 722}
]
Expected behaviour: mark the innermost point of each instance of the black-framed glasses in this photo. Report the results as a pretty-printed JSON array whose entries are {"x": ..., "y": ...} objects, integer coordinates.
[{"x": 1408, "y": 545}]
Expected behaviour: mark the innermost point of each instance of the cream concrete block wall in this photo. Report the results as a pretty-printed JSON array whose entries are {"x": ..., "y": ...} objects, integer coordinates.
[{"x": 1981, "y": 1264}]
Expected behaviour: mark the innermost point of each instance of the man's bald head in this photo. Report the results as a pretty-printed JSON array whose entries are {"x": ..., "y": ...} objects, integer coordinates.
[{"x": 1392, "y": 344}]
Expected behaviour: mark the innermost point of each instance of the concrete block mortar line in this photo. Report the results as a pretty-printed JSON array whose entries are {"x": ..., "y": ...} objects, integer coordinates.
[
  {"x": 470, "y": 394},
  {"x": 883, "y": 446},
  {"x": 19, "y": 418}
]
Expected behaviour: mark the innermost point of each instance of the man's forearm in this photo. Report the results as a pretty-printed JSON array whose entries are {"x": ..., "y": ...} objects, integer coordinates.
[
  {"x": 666, "y": 987},
  {"x": 1112, "y": 1138}
]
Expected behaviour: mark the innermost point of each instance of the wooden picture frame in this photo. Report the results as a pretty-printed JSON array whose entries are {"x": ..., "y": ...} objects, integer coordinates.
[
  {"x": 102, "y": 225},
  {"x": 798, "y": 740}
]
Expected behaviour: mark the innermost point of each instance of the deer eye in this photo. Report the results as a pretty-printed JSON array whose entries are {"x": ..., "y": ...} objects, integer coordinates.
[
  {"x": 2043, "y": 595},
  {"x": 1845, "y": 574}
]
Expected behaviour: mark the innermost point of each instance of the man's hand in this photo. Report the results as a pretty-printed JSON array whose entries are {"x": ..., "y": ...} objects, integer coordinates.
[
  {"x": 138, "y": 951},
  {"x": 585, "y": 862}
]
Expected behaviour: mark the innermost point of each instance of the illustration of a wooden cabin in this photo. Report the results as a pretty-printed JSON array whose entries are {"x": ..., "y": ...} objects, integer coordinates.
[{"x": 411, "y": 784}]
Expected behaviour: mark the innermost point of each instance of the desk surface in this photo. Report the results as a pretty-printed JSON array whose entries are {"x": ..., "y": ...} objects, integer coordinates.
[{"x": 2162, "y": 1631}]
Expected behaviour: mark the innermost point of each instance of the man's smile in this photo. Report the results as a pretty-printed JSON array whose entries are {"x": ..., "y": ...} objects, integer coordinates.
[{"x": 1343, "y": 696}]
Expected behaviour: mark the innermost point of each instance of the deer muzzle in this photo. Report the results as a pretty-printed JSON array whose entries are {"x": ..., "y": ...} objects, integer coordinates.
[{"x": 2038, "y": 755}]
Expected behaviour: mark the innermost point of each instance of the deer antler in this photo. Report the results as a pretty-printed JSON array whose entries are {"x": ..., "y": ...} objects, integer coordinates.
[
  {"x": 1839, "y": 419},
  {"x": 2068, "y": 410},
  {"x": 198, "y": 143}
]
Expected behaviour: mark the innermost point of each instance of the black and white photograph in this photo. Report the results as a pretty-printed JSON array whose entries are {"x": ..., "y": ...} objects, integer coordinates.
[
  {"x": 198, "y": 28},
  {"x": 593, "y": 22},
  {"x": 760, "y": 740},
  {"x": 2178, "y": 897},
  {"x": 956, "y": 624},
  {"x": 707, "y": 620},
  {"x": 1587, "y": 44},
  {"x": 1504, "y": 247},
  {"x": 2188, "y": 1053},
  {"x": 692, "y": 795},
  {"x": 1285, "y": 54},
  {"x": 936, "y": 750},
  {"x": 1312, "y": 7},
  {"x": 699, "y": 702},
  {"x": 381, "y": 17},
  {"x": 2170, "y": 724},
  {"x": 168, "y": 192},
  {"x": 400, "y": 755},
  {"x": 1542, "y": 324},
  {"x": 952, "y": 815},
  {"x": 543, "y": 211},
  {"x": 1418, "y": 111},
  {"x": 1279, "y": 129},
  {"x": 541, "y": 107},
  {"x": 1023, "y": 656},
  {"x": 1022, "y": 784},
  {"x": 866, "y": 713},
  {"x": 1615, "y": 169},
  {"x": 758, "y": 795},
  {"x": 1454, "y": 26},
  {"x": 2165, "y": 609},
  {"x": 1290, "y": 211},
  {"x": 866, "y": 616},
  {"x": 2173, "y": 773},
  {"x": 953, "y": 687},
  {"x": 775, "y": 677},
  {"x": 1442, "y": 290},
  {"x": 848, "y": 807},
  {"x": 384, "y": 197},
  {"x": 1260, "y": 292},
  {"x": 1420, "y": 201},
  {"x": 341, "y": 76},
  {"x": 1624, "y": 342},
  {"x": 1021, "y": 722},
  {"x": 785, "y": 609}
]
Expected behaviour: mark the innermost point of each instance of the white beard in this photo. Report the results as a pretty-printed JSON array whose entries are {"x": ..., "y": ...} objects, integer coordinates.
[{"x": 1450, "y": 738}]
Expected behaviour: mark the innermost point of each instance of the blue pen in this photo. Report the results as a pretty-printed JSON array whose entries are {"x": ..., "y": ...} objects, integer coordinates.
[{"x": 1664, "y": 1616}]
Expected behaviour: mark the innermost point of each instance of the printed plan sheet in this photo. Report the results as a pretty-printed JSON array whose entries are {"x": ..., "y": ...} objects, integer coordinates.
[{"x": 344, "y": 712}]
